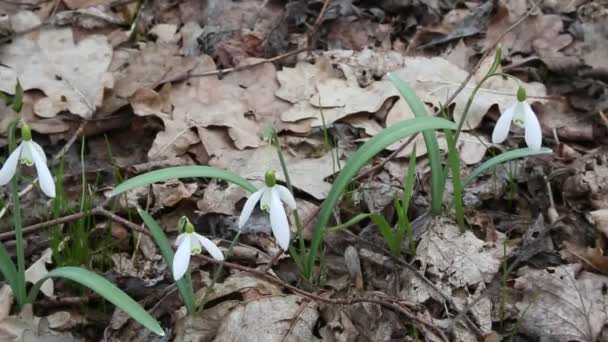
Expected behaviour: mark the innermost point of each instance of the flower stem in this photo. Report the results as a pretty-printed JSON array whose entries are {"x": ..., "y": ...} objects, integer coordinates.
[
  {"x": 277, "y": 145},
  {"x": 20, "y": 290}
]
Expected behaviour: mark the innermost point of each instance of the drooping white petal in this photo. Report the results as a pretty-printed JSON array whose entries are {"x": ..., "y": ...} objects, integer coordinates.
[
  {"x": 180, "y": 238},
  {"x": 8, "y": 169},
  {"x": 533, "y": 131},
  {"x": 278, "y": 220},
  {"x": 501, "y": 130},
  {"x": 26, "y": 153},
  {"x": 39, "y": 149},
  {"x": 47, "y": 183},
  {"x": 215, "y": 252},
  {"x": 265, "y": 200},
  {"x": 286, "y": 196},
  {"x": 248, "y": 207},
  {"x": 181, "y": 260}
]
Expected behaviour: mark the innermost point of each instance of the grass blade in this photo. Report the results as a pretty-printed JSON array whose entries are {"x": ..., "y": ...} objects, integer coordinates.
[
  {"x": 184, "y": 285},
  {"x": 105, "y": 289},
  {"x": 367, "y": 151},
  {"x": 182, "y": 172},
  {"x": 504, "y": 157},
  {"x": 7, "y": 267},
  {"x": 430, "y": 140},
  {"x": 393, "y": 243}
]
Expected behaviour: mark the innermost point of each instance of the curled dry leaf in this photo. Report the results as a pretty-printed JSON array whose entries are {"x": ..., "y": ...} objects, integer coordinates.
[
  {"x": 561, "y": 304},
  {"x": 72, "y": 76}
]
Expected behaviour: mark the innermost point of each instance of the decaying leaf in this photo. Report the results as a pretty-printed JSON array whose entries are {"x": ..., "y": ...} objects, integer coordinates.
[
  {"x": 461, "y": 259},
  {"x": 562, "y": 303},
  {"x": 73, "y": 76},
  {"x": 38, "y": 270},
  {"x": 270, "y": 319}
]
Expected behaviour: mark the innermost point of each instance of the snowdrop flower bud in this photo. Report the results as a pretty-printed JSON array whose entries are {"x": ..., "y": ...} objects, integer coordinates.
[
  {"x": 30, "y": 154},
  {"x": 271, "y": 198},
  {"x": 523, "y": 116},
  {"x": 189, "y": 243}
]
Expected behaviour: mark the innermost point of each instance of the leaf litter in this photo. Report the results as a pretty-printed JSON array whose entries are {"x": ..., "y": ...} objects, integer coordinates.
[{"x": 165, "y": 79}]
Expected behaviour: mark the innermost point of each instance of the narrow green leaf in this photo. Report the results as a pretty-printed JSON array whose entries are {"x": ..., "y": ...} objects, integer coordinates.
[
  {"x": 182, "y": 172},
  {"x": 7, "y": 267},
  {"x": 184, "y": 285},
  {"x": 430, "y": 139},
  {"x": 504, "y": 157},
  {"x": 394, "y": 245},
  {"x": 408, "y": 186},
  {"x": 106, "y": 290},
  {"x": 358, "y": 218},
  {"x": 367, "y": 151}
]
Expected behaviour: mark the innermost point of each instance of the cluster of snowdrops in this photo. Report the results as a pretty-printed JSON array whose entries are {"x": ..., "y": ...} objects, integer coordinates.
[{"x": 274, "y": 199}]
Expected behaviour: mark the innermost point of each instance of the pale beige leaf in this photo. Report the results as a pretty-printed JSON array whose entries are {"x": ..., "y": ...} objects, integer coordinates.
[
  {"x": 562, "y": 304},
  {"x": 71, "y": 75},
  {"x": 38, "y": 270}
]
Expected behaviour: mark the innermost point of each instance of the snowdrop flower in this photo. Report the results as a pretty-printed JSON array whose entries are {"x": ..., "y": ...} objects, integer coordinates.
[
  {"x": 522, "y": 115},
  {"x": 189, "y": 243},
  {"x": 271, "y": 198},
  {"x": 29, "y": 153}
]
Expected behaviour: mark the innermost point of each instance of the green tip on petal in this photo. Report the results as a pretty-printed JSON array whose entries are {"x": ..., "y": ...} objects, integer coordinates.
[
  {"x": 521, "y": 94},
  {"x": 26, "y": 131},
  {"x": 270, "y": 178}
]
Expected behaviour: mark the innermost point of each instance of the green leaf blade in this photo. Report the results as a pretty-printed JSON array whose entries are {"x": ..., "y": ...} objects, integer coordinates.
[
  {"x": 430, "y": 140},
  {"x": 192, "y": 171},
  {"x": 504, "y": 157},
  {"x": 105, "y": 289},
  {"x": 367, "y": 151}
]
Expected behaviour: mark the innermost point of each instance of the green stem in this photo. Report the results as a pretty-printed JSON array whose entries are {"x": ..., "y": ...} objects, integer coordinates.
[
  {"x": 20, "y": 290},
  {"x": 216, "y": 274},
  {"x": 277, "y": 145}
]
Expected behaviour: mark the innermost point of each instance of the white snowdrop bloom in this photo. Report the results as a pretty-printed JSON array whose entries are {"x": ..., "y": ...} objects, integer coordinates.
[
  {"x": 271, "y": 198},
  {"x": 522, "y": 115},
  {"x": 30, "y": 154},
  {"x": 189, "y": 243}
]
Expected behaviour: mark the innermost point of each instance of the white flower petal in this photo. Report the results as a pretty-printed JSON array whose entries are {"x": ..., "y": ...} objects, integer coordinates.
[
  {"x": 215, "y": 252},
  {"x": 534, "y": 133},
  {"x": 181, "y": 260},
  {"x": 248, "y": 207},
  {"x": 47, "y": 183},
  {"x": 278, "y": 221},
  {"x": 39, "y": 149},
  {"x": 286, "y": 196},
  {"x": 180, "y": 238},
  {"x": 8, "y": 169},
  {"x": 503, "y": 125},
  {"x": 265, "y": 201}
]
